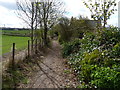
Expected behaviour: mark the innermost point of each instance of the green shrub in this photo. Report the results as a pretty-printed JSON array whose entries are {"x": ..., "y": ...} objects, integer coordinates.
[
  {"x": 64, "y": 36},
  {"x": 116, "y": 50},
  {"x": 53, "y": 33},
  {"x": 89, "y": 42},
  {"x": 70, "y": 47},
  {"x": 39, "y": 34},
  {"x": 10, "y": 78},
  {"x": 109, "y": 38},
  {"x": 74, "y": 61},
  {"x": 88, "y": 63},
  {"x": 104, "y": 77},
  {"x": 96, "y": 58},
  {"x": 92, "y": 58},
  {"x": 86, "y": 71},
  {"x": 108, "y": 62},
  {"x": 116, "y": 67}
]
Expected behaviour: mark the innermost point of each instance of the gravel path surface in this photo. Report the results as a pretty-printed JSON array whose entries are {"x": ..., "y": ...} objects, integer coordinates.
[{"x": 51, "y": 73}]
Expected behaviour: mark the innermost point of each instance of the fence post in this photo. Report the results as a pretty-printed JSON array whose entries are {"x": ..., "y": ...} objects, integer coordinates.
[
  {"x": 28, "y": 48},
  {"x": 36, "y": 46},
  {"x": 42, "y": 42},
  {"x": 13, "y": 57},
  {"x": 13, "y": 65},
  {"x": 32, "y": 47}
]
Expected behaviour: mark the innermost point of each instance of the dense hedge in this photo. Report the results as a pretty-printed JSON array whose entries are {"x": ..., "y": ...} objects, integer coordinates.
[{"x": 96, "y": 58}]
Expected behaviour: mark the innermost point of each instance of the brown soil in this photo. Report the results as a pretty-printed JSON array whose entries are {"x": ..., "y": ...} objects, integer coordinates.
[{"x": 53, "y": 72}]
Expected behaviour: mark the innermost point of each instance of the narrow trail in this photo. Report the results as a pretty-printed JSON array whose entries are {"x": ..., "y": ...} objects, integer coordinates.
[{"x": 51, "y": 72}]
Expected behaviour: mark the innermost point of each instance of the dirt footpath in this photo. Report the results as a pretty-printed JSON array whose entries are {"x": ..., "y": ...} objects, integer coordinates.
[{"x": 53, "y": 72}]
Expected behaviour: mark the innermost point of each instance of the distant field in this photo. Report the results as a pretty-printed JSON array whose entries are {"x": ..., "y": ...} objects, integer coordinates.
[
  {"x": 21, "y": 43},
  {"x": 15, "y": 32}
]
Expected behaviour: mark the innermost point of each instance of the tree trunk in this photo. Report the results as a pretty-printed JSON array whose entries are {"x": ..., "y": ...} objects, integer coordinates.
[
  {"x": 104, "y": 16},
  {"x": 45, "y": 25},
  {"x": 32, "y": 22},
  {"x": 45, "y": 36}
]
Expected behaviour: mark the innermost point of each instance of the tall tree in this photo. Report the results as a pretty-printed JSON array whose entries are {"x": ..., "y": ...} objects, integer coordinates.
[
  {"x": 64, "y": 31},
  {"x": 50, "y": 12},
  {"x": 44, "y": 14},
  {"x": 101, "y": 9},
  {"x": 26, "y": 12}
]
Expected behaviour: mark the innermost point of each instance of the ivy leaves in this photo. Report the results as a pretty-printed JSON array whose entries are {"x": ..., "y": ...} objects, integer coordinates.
[{"x": 95, "y": 58}]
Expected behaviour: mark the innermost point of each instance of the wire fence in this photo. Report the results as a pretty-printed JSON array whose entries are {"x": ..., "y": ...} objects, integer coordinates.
[
  {"x": 15, "y": 55},
  {"x": 19, "y": 45}
]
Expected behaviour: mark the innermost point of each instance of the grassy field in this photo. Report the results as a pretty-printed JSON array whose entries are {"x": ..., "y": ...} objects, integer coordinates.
[
  {"x": 15, "y": 32},
  {"x": 21, "y": 43}
]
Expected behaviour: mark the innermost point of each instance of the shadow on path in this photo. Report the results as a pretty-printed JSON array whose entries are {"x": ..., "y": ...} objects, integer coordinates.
[{"x": 51, "y": 71}]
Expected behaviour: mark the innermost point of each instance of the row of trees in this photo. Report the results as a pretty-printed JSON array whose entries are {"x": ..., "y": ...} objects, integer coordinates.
[
  {"x": 44, "y": 14},
  {"x": 70, "y": 28},
  {"x": 39, "y": 14}
]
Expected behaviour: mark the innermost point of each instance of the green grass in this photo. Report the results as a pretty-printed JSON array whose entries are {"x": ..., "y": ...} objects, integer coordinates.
[
  {"x": 16, "y": 32},
  {"x": 7, "y": 41}
]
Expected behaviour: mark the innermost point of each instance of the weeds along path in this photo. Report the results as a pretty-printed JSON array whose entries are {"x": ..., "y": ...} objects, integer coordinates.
[{"x": 52, "y": 71}]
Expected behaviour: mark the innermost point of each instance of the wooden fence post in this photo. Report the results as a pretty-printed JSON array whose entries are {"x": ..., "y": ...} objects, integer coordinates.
[
  {"x": 42, "y": 43},
  {"x": 36, "y": 46},
  {"x": 28, "y": 48},
  {"x": 13, "y": 65},
  {"x": 32, "y": 47},
  {"x": 13, "y": 57}
]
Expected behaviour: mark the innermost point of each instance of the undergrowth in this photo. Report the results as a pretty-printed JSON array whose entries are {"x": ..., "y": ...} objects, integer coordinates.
[
  {"x": 96, "y": 59},
  {"x": 15, "y": 77}
]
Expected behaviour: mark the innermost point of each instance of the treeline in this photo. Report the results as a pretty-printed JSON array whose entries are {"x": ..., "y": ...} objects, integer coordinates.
[
  {"x": 70, "y": 28},
  {"x": 5, "y": 28},
  {"x": 40, "y": 16}
]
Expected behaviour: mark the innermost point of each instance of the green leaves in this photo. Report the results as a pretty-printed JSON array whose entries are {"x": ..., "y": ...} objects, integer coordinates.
[
  {"x": 95, "y": 58},
  {"x": 70, "y": 47},
  {"x": 101, "y": 9},
  {"x": 104, "y": 77},
  {"x": 116, "y": 50}
]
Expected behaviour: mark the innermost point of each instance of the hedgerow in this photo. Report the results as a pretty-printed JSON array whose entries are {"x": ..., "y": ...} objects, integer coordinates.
[{"x": 96, "y": 58}]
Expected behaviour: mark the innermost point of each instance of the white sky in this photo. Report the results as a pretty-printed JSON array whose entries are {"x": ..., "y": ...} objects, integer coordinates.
[{"x": 74, "y": 8}]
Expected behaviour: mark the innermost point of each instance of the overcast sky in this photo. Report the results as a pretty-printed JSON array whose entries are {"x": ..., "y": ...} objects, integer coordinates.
[{"x": 8, "y": 18}]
